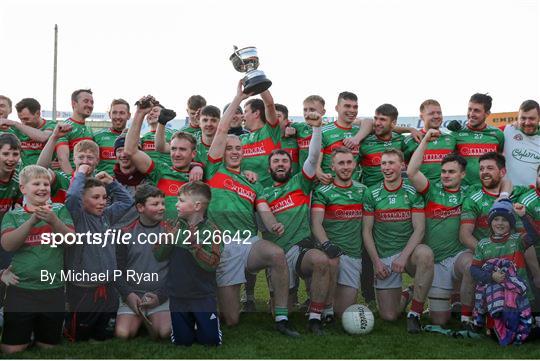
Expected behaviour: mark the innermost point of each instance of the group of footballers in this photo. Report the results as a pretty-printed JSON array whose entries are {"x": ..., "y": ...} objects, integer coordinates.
[{"x": 346, "y": 206}]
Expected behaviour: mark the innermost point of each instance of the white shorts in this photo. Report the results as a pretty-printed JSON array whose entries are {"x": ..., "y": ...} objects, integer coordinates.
[
  {"x": 350, "y": 269},
  {"x": 291, "y": 256},
  {"x": 394, "y": 280},
  {"x": 444, "y": 275},
  {"x": 124, "y": 309},
  {"x": 233, "y": 263}
]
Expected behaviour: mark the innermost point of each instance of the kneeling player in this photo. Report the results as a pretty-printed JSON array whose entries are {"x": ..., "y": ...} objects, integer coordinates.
[
  {"x": 336, "y": 216},
  {"x": 289, "y": 201},
  {"x": 443, "y": 210},
  {"x": 393, "y": 228},
  {"x": 193, "y": 259},
  {"x": 34, "y": 306},
  {"x": 144, "y": 301}
]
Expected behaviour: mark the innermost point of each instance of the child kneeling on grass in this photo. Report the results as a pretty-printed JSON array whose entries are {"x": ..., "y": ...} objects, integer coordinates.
[
  {"x": 499, "y": 268},
  {"x": 193, "y": 259},
  {"x": 34, "y": 305}
]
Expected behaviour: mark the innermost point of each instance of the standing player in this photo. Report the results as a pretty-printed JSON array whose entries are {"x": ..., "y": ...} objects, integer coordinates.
[
  {"x": 82, "y": 103},
  {"x": 32, "y": 130},
  {"x": 438, "y": 147},
  {"x": 237, "y": 126},
  {"x": 265, "y": 136},
  {"x": 236, "y": 198},
  {"x": 444, "y": 200},
  {"x": 393, "y": 229},
  {"x": 105, "y": 138},
  {"x": 194, "y": 105},
  {"x": 148, "y": 139},
  {"x": 289, "y": 199},
  {"x": 336, "y": 217},
  {"x": 477, "y": 138},
  {"x": 522, "y": 144},
  {"x": 288, "y": 144},
  {"x": 167, "y": 178}
]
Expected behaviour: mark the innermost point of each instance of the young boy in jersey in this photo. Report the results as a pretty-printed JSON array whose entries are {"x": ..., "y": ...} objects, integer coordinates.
[
  {"x": 504, "y": 244},
  {"x": 93, "y": 302},
  {"x": 34, "y": 306},
  {"x": 146, "y": 299},
  {"x": 192, "y": 269}
]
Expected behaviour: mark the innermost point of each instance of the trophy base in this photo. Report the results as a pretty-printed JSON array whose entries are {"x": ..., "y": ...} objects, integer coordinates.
[{"x": 256, "y": 85}]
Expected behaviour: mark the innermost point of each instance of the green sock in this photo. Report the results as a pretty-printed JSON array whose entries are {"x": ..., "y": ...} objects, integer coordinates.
[{"x": 281, "y": 313}]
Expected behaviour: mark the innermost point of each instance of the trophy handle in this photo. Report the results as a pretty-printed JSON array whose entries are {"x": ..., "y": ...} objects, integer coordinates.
[{"x": 238, "y": 54}]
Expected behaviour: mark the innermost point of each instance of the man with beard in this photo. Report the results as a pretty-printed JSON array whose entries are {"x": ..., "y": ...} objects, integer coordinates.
[
  {"x": 522, "y": 144},
  {"x": 393, "y": 229},
  {"x": 148, "y": 139},
  {"x": 336, "y": 216},
  {"x": 480, "y": 198},
  {"x": 477, "y": 137},
  {"x": 82, "y": 103},
  {"x": 289, "y": 201},
  {"x": 32, "y": 130},
  {"x": 288, "y": 144},
  {"x": 232, "y": 209},
  {"x": 105, "y": 138},
  {"x": 444, "y": 199},
  {"x": 438, "y": 147}
]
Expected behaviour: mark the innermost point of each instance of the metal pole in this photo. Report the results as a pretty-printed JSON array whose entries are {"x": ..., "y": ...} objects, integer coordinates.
[{"x": 55, "y": 71}]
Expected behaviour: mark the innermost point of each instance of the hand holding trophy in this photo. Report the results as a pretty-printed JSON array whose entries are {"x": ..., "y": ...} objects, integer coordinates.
[{"x": 245, "y": 60}]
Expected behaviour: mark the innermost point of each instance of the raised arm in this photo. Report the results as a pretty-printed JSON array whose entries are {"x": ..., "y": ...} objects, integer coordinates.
[
  {"x": 310, "y": 165},
  {"x": 140, "y": 159},
  {"x": 269, "y": 108},
  {"x": 217, "y": 148},
  {"x": 46, "y": 155},
  {"x": 416, "y": 177},
  {"x": 160, "y": 141}
]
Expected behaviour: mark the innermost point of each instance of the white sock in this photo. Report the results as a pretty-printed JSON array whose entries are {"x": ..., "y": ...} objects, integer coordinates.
[
  {"x": 314, "y": 316},
  {"x": 412, "y": 313},
  {"x": 281, "y": 318}
]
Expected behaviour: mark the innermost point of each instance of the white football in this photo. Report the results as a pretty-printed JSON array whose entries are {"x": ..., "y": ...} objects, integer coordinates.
[{"x": 358, "y": 320}]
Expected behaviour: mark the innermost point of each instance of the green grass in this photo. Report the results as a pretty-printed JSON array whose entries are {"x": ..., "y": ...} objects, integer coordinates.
[{"x": 255, "y": 338}]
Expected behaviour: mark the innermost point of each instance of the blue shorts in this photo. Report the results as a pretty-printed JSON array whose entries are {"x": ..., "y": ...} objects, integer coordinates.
[{"x": 195, "y": 320}]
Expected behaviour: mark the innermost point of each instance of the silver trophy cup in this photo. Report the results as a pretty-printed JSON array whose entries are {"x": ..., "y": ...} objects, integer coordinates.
[{"x": 245, "y": 60}]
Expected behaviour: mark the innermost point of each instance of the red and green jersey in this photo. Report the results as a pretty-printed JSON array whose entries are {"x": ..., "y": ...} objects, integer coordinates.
[
  {"x": 443, "y": 212},
  {"x": 31, "y": 149},
  {"x": 511, "y": 248},
  {"x": 33, "y": 256},
  {"x": 476, "y": 206},
  {"x": 370, "y": 155},
  {"x": 392, "y": 210},
  {"x": 79, "y": 131},
  {"x": 303, "y": 138},
  {"x": 530, "y": 198},
  {"x": 290, "y": 204},
  {"x": 149, "y": 146},
  {"x": 290, "y": 145},
  {"x": 59, "y": 186},
  {"x": 332, "y": 138},
  {"x": 234, "y": 199},
  {"x": 256, "y": 147},
  {"x": 202, "y": 153},
  {"x": 105, "y": 139},
  {"x": 434, "y": 154},
  {"x": 169, "y": 180},
  {"x": 195, "y": 131},
  {"x": 342, "y": 215},
  {"x": 471, "y": 144},
  {"x": 9, "y": 193}
]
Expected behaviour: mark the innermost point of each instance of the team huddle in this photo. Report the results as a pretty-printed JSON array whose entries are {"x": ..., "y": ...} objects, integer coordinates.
[{"x": 347, "y": 206}]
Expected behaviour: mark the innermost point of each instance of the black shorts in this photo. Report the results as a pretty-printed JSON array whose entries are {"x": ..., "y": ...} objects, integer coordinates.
[
  {"x": 33, "y": 311},
  {"x": 92, "y": 312}
]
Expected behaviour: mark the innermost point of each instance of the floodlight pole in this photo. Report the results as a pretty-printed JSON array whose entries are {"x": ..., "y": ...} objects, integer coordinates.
[{"x": 55, "y": 70}]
